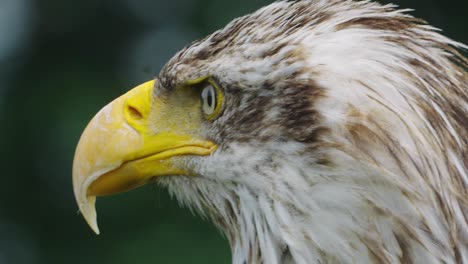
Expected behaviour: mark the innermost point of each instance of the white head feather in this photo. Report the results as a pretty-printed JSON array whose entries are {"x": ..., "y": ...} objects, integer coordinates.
[{"x": 372, "y": 165}]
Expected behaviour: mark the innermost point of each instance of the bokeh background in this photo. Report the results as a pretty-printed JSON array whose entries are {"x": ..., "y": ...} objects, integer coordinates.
[{"x": 60, "y": 62}]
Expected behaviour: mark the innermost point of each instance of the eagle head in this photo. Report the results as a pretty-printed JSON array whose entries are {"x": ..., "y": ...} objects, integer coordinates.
[{"x": 308, "y": 132}]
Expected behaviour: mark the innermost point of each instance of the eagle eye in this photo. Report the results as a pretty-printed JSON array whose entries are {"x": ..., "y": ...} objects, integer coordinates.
[
  {"x": 208, "y": 96},
  {"x": 211, "y": 98}
]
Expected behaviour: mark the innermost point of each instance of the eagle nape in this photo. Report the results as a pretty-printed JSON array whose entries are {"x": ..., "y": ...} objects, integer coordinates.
[{"x": 309, "y": 131}]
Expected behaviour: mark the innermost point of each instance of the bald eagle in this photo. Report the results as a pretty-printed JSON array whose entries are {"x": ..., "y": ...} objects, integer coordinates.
[{"x": 308, "y": 132}]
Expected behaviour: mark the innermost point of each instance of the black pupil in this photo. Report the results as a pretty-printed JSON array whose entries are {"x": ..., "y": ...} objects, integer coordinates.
[{"x": 209, "y": 98}]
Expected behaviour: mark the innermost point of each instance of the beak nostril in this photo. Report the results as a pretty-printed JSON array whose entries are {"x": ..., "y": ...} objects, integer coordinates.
[{"x": 134, "y": 113}]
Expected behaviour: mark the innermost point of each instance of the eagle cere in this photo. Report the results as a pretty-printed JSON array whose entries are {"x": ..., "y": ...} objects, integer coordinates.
[{"x": 308, "y": 132}]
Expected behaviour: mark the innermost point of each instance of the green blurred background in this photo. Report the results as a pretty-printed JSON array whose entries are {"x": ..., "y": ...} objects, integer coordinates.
[{"x": 60, "y": 62}]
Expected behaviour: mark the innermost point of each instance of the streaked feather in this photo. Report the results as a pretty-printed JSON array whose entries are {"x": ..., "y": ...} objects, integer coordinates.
[{"x": 343, "y": 138}]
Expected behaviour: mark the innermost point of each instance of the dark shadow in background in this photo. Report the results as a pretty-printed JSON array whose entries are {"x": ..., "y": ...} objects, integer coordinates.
[{"x": 60, "y": 62}]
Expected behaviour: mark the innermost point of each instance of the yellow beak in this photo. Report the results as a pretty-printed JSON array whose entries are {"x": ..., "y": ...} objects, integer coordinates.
[{"x": 122, "y": 148}]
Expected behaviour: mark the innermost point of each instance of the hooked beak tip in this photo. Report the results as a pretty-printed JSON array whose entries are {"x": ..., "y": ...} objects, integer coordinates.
[{"x": 88, "y": 210}]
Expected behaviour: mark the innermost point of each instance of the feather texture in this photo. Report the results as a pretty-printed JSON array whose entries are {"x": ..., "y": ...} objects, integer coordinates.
[{"x": 343, "y": 137}]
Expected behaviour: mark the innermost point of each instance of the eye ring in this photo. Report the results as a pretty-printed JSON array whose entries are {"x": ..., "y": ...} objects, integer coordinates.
[{"x": 211, "y": 97}]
